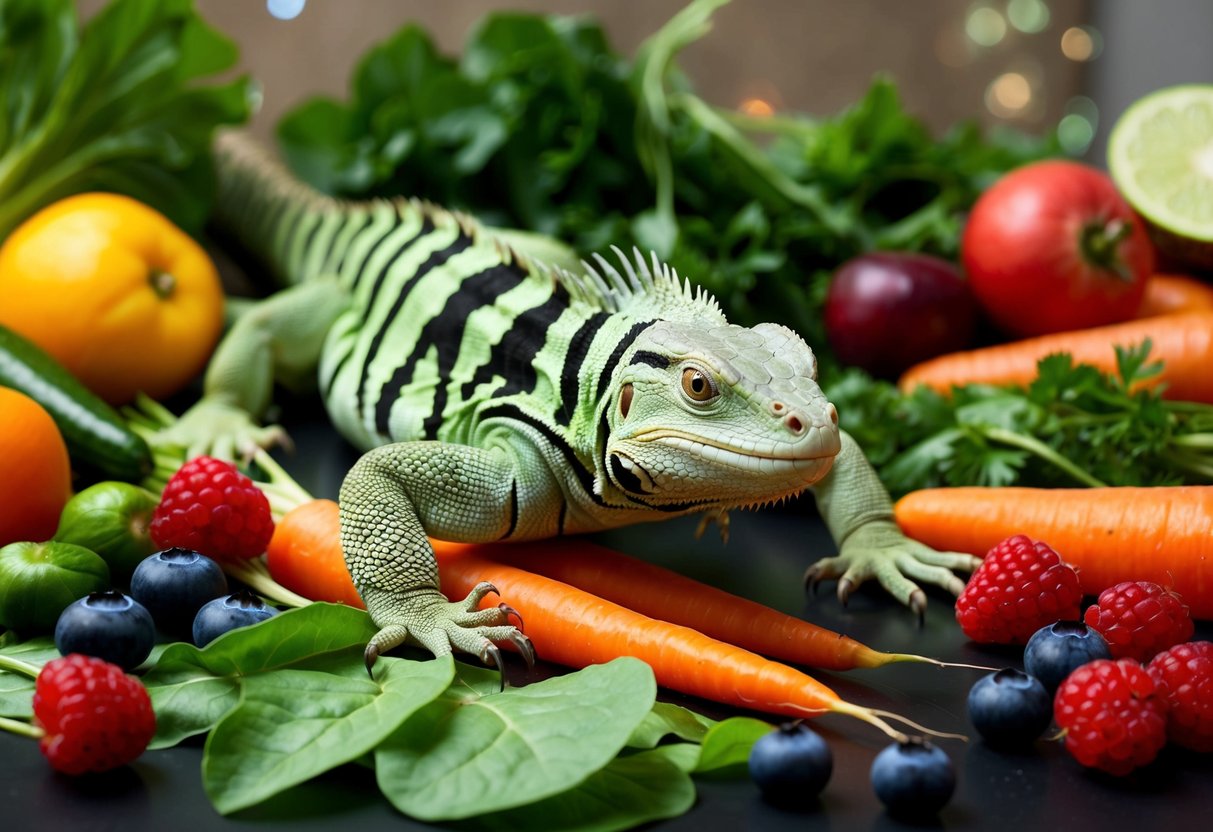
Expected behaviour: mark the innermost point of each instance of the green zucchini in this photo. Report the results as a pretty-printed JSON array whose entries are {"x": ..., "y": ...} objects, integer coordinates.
[{"x": 95, "y": 434}]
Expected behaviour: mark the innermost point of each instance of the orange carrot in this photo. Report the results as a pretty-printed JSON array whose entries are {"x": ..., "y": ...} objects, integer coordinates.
[
  {"x": 305, "y": 554},
  {"x": 1162, "y": 534},
  {"x": 1170, "y": 293},
  {"x": 569, "y": 626},
  {"x": 574, "y": 628},
  {"x": 668, "y": 596},
  {"x": 1184, "y": 342}
]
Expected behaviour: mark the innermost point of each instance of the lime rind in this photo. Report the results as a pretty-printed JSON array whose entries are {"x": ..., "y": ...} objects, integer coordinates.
[{"x": 1160, "y": 154}]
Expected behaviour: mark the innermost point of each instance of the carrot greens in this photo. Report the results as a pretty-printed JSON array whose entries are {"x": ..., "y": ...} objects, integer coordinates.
[{"x": 1072, "y": 426}]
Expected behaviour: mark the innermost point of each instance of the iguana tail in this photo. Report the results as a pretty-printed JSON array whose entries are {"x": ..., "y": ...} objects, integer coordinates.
[{"x": 260, "y": 203}]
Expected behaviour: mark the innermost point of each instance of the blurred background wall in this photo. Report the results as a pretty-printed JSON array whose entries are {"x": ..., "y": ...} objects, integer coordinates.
[{"x": 1030, "y": 63}]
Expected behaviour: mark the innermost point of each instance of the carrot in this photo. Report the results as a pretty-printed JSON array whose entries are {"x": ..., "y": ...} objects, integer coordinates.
[
  {"x": 305, "y": 554},
  {"x": 1162, "y": 534},
  {"x": 1169, "y": 293},
  {"x": 1184, "y": 342},
  {"x": 567, "y": 625},
  {"x": 668, "y": 596},
  {"x": 574, "y": 628}
]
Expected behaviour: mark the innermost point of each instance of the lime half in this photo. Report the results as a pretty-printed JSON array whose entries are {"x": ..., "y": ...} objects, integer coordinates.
[{"x": 1160, "y": 154}]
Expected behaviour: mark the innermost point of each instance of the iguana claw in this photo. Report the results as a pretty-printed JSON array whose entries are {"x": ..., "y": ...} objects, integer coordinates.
[
  {"x": 491, "y": 656},
  {"x": 526, "y": 648},
  {"x": 510, "y": 611}
]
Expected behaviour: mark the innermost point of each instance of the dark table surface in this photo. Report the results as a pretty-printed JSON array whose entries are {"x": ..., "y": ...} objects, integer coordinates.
[{"x": 1042, "y": 788}]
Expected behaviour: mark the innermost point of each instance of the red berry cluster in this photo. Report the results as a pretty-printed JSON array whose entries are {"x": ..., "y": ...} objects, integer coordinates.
[
  {"x": 1021, "y": 586},
  {"x": 1184, "y": 675},
  {"x": 212, "y": 508},
  {"x": 1139, "y": 619},
  {"x": 95, "y": 716},
  {"x": 1113, "y": 715}
]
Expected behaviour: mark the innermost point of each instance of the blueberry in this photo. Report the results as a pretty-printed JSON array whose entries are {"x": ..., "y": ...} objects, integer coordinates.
[
  {"x": 913, "y": 778},
  {"x": 223, "y": 614},
  {"x": 109, "y": 626},
  {"x": 791, "y": 764},
  {"x": 174, "y": 584},
  {"x": 1055, "y": 651},
  {"x": 1010, "y": 708}
]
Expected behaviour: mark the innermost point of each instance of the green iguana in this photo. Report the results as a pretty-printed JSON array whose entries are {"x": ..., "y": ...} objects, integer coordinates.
[{"x": 500, "y": 398}]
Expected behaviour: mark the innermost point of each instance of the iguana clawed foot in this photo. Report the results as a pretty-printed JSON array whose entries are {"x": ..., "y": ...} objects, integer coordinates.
[
  {"x": 428, "y": 620},
  {"x": 881, "y": 551},
  {"x": 215, "y": 428}
]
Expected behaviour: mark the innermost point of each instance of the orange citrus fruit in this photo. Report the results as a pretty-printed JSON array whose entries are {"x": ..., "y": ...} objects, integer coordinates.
[
  {"x": 120, "y": 296},
  {"x": 37, "y": 477}
]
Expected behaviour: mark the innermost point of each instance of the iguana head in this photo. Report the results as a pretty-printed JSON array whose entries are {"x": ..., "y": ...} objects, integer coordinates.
[{"x": 707, "y": 414}]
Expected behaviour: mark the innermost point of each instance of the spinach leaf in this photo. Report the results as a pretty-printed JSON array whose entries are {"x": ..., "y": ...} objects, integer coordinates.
[
  {"x": 292, "y": 725},
  {"x": 467, "y": 754},
  {"x": 627, "y": 792},
  {"x": 726, "y": 748},
  {"x": 17, "y": 689},
  {"x": 666, "y": 719},
  {"x": 112, "y": 107},
  {"x": 192, "y": 688}
]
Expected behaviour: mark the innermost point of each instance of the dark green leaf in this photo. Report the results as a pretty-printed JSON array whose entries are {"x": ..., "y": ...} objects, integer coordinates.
[
  {"x": 467, "y": 754},
  {"x": 726, "y": 747},
  {"x": 292, "y": 725},
  {"x": 666, "y": 719},
  {"x": 193, "y": 688}
]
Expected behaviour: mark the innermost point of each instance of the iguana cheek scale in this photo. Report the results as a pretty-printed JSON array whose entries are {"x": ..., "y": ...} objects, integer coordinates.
[{"x": 503, "y": 392}]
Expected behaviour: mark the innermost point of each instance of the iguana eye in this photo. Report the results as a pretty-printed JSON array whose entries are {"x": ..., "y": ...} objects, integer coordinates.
[
  {"x": 625, "y": 400},
  {"x": 698, "y": 386}
]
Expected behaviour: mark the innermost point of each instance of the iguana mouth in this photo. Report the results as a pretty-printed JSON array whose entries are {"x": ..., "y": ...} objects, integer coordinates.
[{"x": 815, "y": 448}]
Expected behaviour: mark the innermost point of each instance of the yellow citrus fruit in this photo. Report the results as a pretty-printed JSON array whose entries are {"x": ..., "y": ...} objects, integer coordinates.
[
  {"x": 38, "y": 477},
  {"x": 120, "y": 296}
]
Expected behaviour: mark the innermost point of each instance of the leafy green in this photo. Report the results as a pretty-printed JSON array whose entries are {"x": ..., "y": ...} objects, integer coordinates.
[
  {"x": 542, "y": 126},
  {"x": 310, "y": 722},
  {"x": 114, "y": 106},
  {"x": 466, "y": 754},
  {"x": 625, "y": 793},
  {"x": 666, "y": 719},
  {"x": 192, "y": 688},
  {"x": 1073, "y": 425},
  {"x": 17, "y": 689},
  {"x": 726, "y": 748}
]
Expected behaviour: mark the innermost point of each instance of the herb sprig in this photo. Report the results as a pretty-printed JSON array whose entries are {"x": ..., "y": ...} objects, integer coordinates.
[{"x": 1074, "y": 425}]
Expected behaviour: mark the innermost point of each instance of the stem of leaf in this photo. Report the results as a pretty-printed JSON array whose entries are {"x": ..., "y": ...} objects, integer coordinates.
[
  {"x": 16, "y": 726},
  {"x": 17, "y": 666},
  {"x": 1201, "y": 441},
  {"x": 1195, "y": 466},
  {"x": 257, "y": 576},
  {"x": 1035, "y": 446}
]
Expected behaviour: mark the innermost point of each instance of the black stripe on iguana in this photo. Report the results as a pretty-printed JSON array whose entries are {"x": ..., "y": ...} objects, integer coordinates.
[
  {"x": 444, "y": 332},
  {"x": 364, "y": 219},
  {"x": 584, "y": 477},
  {"x": 652, "y": 359},
  {"x": 436, "y": 259},
  {"x": 574, "y": 360},
  {"x": 608, "y": 369},
  {"x": 513, "y": 511},
  {"x": 427, "y": 228}
]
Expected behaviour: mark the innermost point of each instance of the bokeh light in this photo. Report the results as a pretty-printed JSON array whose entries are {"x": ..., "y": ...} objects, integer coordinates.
[
  {"x": 985, "y": 26},
  {"x": 756, "y": 107},
  {"x": 1077, "y": 127},
  {"x": 285, "y": 9},
  {"x": 1081, "y": 43},
  {"x": 1009, "y": 95},
  {"x": 1028, "y": 16}
]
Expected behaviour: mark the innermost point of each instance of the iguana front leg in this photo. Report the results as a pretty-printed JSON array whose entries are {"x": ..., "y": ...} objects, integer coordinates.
[
  {"x": 278, "y": 339},
  {"x": 398, "y": 495},
  {"x": 859, "y": 514}
]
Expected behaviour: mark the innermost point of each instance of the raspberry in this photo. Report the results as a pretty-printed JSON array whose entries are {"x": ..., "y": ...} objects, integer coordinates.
[
  {"x": 212, "y": 508},
  {"x": 95, "y": 716},
  {"x": 1138, "y": 619},
  {"x": 1184, "y": 674},
  {"x": 1021, "y": 586},
  {"x": 1112, "y": 714}
]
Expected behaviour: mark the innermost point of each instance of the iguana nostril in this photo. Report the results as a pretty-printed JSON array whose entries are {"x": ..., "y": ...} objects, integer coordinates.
[
  {"x": 833, "y": 413},
  {"x": 793, "y": 423},
  {"x": 777, "y": 407}
]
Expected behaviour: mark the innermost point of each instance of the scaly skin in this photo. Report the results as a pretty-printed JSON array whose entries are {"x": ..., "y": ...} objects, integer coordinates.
[{"x": 498, "y": 399}]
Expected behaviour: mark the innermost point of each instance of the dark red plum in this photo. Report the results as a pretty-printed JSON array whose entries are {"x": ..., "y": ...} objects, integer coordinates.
[{"x": 887, "y": 311}]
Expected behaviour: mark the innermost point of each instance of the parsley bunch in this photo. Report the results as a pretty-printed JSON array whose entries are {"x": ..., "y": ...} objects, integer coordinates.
[{"x": 1073, "y": 426}]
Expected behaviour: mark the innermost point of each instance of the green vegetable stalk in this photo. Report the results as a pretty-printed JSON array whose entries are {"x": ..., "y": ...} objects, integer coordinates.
[
  {"x": 111, "y": 106},
  {"x": 540, "y": 125}
]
